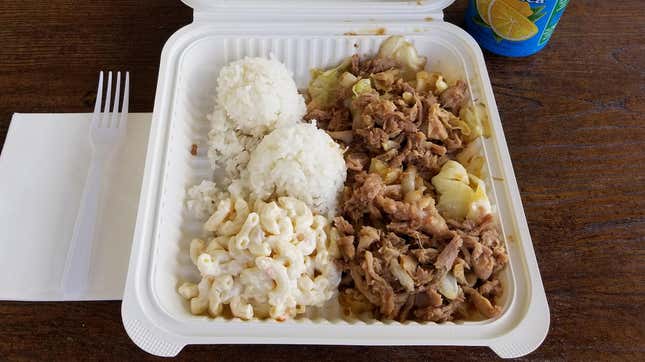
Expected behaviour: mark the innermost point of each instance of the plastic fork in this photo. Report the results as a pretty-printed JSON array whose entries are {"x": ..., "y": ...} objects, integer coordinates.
[{"x": 107, "y": 132}]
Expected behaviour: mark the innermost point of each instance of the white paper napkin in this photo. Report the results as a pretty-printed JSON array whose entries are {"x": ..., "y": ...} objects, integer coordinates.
[{"x": 43, "y": 167}]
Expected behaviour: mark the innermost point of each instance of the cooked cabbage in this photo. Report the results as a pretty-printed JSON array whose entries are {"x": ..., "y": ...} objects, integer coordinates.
[
  {"x": 479, "y": 204},
  {"x": 476, "y": 117},
  {"x": 455, "y": 122},
  {"x": 347, "y": 80},
  {"x": 401, "y": 275},
  {"x": 454, "y": 193},
  {"x": 384, "y": 81},
  {"x": 471, "y": 158},
  {"x": 388, "y": 174},
  {"x": 461, "y": 195},
  {"x": 323, "y": 86},
  {"x": 362, "y": 86},
  {"x": 448, "y": 286},
  {"x": 454, "y": 203},
  {"x": 430, "y": 82},
  {"x": 451, "y": 171},
  {"x": 401, "y": 50}
]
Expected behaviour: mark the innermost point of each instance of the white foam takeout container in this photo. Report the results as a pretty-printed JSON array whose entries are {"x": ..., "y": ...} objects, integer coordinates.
[{"x": 304, "y": 34}]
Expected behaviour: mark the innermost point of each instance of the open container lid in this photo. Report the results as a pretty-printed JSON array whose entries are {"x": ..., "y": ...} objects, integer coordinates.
[{"x": 323, "y": 10}]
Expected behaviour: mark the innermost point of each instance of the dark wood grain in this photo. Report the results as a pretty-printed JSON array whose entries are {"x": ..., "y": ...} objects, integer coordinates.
[{"x": 573, "y": 117}]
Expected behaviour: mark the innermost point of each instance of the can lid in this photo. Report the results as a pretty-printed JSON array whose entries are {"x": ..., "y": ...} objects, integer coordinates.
[{"x": 323, "y": 9}]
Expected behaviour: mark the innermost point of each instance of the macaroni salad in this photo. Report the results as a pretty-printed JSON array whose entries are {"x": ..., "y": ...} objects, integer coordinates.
[{"x": 263, "y": 260}]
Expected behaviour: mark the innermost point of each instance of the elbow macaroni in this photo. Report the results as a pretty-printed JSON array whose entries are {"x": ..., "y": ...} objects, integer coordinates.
[{"x": 264, "y": 260}]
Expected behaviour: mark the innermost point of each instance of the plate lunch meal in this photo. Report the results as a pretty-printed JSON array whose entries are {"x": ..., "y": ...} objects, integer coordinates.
[{"x": 320, "y": 189}]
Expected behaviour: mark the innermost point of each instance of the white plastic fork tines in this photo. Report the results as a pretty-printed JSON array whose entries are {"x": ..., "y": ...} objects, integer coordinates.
[{"x": 107, "y": 132}]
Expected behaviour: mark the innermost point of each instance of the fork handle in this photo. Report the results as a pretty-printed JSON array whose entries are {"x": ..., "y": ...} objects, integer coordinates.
[{"x": 77, "y": 265}]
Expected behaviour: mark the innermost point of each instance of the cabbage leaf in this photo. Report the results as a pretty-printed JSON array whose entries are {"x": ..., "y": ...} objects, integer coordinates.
[
  {"x": 448, "y": 286},
  {"x": 362, "y": 86},
  {"x": 476, "y": 117},
  {"x": 471, "y": 158},
  {"x": 323, "y": 87},
  {"x": 479, "y": 203},
  {"x": 402, "y": 51},
  {"x": 430, "y": 83},
  {"x": 461, "y": 195}
]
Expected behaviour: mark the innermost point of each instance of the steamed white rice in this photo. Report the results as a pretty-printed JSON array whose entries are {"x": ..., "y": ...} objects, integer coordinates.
[
  {"x": 254, "y": 96},
  {"x": 202, "y": 199},
  {"x": 258, "y": 140},
  {"x": 300, "y": 161},
  {"x": 228, "y": 148},
  {"x": 259, "y": 94}
]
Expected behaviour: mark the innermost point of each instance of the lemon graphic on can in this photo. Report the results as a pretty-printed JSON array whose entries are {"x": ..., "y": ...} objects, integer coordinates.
[
  {"x": 514, "y": 28},
  {"x": 482, "y": 9},
  {"x": 509, "y": 19}
]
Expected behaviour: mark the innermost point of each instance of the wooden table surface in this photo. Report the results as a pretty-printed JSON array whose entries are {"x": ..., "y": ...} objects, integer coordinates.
[{"x": 573, "y": 117}]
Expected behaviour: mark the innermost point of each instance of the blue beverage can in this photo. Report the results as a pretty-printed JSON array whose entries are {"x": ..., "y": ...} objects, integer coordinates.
[{"x": 513, "y": 28}]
